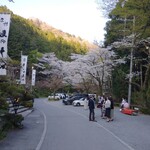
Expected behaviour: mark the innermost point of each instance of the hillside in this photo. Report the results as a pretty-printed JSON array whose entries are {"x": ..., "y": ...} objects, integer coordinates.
[
  {"x": 28, "y": 35},
  {"x": 69, "y": 37}
]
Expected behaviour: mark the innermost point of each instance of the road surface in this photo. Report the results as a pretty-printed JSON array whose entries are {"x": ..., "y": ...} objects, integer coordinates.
[{"x": 54, "y": 126}]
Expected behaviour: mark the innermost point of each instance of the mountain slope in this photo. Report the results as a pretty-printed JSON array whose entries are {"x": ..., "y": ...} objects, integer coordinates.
[
  {"x": 28, "y": 35},
  {"x": 45, "y": 27}
]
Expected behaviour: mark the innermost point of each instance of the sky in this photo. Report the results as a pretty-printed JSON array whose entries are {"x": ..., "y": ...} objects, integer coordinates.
[{"x": 77, "y": 17}]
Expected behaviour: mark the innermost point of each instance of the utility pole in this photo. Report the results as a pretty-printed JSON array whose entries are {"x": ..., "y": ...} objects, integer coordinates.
[{"x": 131, "y": 63}]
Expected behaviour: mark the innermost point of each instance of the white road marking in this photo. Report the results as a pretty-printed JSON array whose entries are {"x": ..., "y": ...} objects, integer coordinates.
[
  {"x": 44, "y": 132},
  {"x": 115, "y": 136}
]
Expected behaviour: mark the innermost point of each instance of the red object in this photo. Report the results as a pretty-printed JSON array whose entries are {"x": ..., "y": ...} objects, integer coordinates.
[{"x": 129, "y": 111}]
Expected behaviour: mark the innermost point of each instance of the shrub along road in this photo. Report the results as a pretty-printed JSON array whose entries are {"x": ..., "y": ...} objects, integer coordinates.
[{"x": 54, "y": 126}]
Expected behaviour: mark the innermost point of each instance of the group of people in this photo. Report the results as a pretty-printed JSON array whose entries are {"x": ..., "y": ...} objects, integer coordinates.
[{"x": 106, "y": 104}]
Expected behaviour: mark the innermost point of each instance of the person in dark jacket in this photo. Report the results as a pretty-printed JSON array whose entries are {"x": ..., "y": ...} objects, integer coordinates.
[
  {"x": 112, "y": 108},
  {"x": 91, "y": 104}
]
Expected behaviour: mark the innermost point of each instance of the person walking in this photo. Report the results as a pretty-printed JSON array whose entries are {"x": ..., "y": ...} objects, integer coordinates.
[
  {"x": 91, "y": 104},
  {"x": 108, "y": 109}
]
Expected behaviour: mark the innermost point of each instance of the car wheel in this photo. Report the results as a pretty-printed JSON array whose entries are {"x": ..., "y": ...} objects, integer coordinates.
[
  {"x": 65, "y": 103},
  {"x": 78, "y": 104}
]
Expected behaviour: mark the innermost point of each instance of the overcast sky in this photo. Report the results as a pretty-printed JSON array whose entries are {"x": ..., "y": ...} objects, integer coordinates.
[{"x": 77, "y": 17}]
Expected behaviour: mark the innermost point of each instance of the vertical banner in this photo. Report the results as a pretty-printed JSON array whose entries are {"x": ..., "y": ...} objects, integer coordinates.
[
  {"x": 23, "y": 69},
  {"x": 33, "y": 77},
  {"x": 4, "y": 32}
]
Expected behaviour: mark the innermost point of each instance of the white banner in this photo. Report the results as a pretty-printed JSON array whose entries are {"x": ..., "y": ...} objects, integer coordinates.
[
  {"x": 33, "y": 77},
  {"x": 4, "y": 33},
  {"x": 23, "y": 69},
  {"x": 2, "y": 67}
]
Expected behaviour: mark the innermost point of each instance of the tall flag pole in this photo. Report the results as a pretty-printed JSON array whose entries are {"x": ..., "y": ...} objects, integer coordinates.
[
  {"x": 4, "y": 33},
  {"x": 23, "y": 69}
]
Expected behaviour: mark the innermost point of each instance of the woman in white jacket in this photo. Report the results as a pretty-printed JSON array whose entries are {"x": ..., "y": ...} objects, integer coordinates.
[{"x": 108, "y": 109}]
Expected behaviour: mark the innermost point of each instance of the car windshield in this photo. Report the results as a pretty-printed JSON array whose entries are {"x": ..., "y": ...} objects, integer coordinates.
[{"x": 82, "y": 99}]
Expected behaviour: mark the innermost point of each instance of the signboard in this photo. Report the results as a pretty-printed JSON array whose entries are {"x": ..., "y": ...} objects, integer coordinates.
[
  {"x": 33, "y": 77},
  {"x": 23, "y": 69},
  {"x": 4, "y": 32}
]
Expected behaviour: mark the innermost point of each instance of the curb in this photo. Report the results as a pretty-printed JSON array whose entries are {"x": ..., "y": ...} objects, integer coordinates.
[{"x": 27, "y": 112}]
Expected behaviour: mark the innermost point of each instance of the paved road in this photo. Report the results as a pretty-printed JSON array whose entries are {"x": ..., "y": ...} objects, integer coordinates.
[{"x": 54, "y": 126}]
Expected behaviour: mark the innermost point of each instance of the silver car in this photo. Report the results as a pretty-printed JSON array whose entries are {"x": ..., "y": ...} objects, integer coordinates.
[{"x": 79, "y": 102}]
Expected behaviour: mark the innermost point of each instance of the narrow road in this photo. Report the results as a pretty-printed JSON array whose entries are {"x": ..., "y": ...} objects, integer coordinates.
[{"x": 54, "y": 126}]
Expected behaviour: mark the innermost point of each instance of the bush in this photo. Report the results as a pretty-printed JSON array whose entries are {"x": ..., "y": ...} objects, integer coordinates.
[
  {"x": 145, "y": 111},
  {"x": 12, "y": 121},
  {"x": 28, "y": 104},
  {"x": 3, "y": 104},
  {"x": 12, "y": 90},
  {"x": 2, "y": 134},
  {"x": 26, "y": 96}
]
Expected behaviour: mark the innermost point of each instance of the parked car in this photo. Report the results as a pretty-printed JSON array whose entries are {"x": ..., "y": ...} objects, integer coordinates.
[
  {"x": 69, "y": 100},
  {"x": 61, "y": 95},
  {"x": 79, "y": 102},
  {"x": 57, "y": 96},
  {"x": 53, "y": 97}
]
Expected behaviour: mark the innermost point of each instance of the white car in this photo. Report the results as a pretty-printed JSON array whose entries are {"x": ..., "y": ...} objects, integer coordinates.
[
  {"x": 57, "y": 96},
  {"x": 79, "y": 102},
  {"x": 54, "y": 97}
]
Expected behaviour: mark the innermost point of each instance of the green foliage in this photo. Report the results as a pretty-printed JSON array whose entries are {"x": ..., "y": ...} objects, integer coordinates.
[
  {"x": 9, "y": 121},
  {"x": 14, "y": 91},
  {"x": 139, "y": 9},
  {"x": 31, "y": 39},
  {"x": 10, "y": 90},
  {"x": 120, "y": 27},
  {"x": 27, "y": 96},
  {"x": 41, "y": 93},
  {"x": 12, "y": 121},
  {"x": 3, "y": 104},
  {"x": 28, "y": 104},
  {"x": 2, "y": 134},
  {"x": 33, "y": 56},
  {"x": 119, "y": 85}
]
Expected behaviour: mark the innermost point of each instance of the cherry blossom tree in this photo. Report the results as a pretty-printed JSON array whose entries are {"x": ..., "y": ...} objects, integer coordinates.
[
  {"x": 50, "y": 69},
  {"x": 88, "y": 73},
  {"x": 95, "y": 66}
]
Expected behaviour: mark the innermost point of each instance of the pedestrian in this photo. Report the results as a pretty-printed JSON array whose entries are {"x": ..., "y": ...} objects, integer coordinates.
[
  {"x": 126, "y": 105},
  {"x": 123, "y": 102},
  {"x": 16, "y": 104},
  {"x": 91, "y": 104},
  {"x": 86, "y": 103},
  {"x": 112, "y": 108},
  {"x": 108, "y": 109},
  {"x": 100, "y": 103},
  {"x": 103, "y": 110}
]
